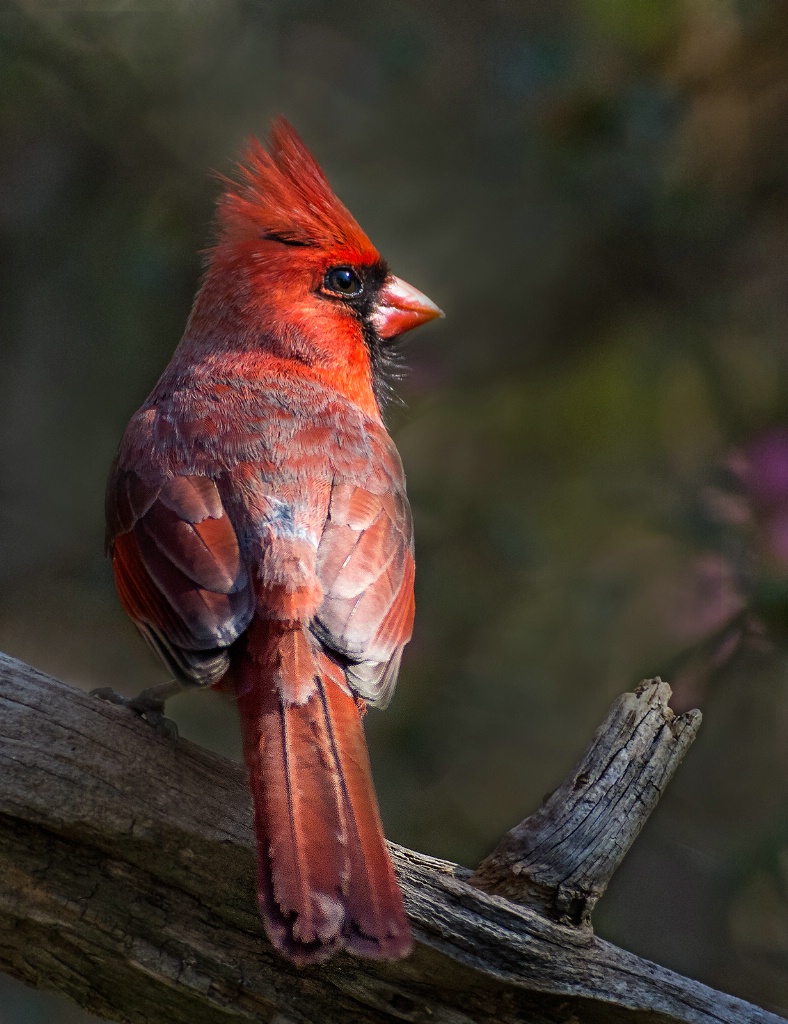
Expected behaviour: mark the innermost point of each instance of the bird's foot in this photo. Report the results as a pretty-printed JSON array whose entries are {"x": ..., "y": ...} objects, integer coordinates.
[{"x": 148, "y": 705}]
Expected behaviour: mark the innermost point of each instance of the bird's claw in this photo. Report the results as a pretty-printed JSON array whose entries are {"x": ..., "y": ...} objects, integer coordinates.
[{"x": 146, "y": 705}]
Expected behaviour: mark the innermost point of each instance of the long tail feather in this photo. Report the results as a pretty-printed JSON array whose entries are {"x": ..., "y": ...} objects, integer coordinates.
[
  {"x": 325, "y": 879},
  {"x": 376, "y": 920}
]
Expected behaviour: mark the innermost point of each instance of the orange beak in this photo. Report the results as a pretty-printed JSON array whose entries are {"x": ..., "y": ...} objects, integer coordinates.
[{"x": 401, "y": 307}]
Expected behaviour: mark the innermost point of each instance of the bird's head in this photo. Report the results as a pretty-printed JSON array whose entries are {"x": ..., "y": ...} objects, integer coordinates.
[{"x": 298, "y": 278}]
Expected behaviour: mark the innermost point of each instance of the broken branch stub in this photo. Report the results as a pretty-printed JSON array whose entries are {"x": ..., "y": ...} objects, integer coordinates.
[{"x": 560, "y": 859}]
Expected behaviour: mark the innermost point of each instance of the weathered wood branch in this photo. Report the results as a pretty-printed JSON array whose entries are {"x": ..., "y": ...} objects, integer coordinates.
[
  {"x": 126, "y": 873},
  {"x": 559, "y": 860}
]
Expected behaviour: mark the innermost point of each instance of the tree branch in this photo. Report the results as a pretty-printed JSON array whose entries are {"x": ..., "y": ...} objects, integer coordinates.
[
  {"x": 559, "y": 860},
  {"x": 126, "y": 882}
]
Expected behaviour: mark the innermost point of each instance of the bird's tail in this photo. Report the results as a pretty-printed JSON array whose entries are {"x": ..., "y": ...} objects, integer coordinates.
[{"x": 324, "y": 876}]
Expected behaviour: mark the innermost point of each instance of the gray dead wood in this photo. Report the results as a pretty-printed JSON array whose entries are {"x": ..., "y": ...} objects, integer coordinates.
[
  {"x": 126, "y": 874},
  {"x": 560, "y": 859}
]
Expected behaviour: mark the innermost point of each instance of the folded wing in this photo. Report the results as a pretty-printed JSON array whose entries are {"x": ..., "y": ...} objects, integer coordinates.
[
  {"x": 179, "y": 571},
  {"x": 366, "y": 569}
]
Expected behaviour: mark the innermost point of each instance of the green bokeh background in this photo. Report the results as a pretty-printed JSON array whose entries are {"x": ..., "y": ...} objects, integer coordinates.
[{"x": 596, "y": 193}]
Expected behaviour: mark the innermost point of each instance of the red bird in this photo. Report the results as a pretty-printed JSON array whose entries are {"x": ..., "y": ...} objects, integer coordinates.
[{"x": 261, "y": 538}]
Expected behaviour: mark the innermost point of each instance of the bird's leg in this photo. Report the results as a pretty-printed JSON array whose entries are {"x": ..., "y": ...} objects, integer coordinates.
[{"x": 149, "y": 704}]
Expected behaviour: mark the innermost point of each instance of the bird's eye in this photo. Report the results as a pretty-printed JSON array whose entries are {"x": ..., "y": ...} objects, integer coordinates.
[{"x": 343, "y": 281}]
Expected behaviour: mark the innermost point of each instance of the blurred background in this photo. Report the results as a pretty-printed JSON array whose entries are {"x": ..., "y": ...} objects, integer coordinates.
[{"x": 596, "y": 437}]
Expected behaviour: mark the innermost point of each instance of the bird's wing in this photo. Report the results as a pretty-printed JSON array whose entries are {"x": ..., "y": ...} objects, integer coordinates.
[
  {"x": 178, "y": 569},
  {"x": 180, "y": 573},
  {"x": 366, "y": 569}
]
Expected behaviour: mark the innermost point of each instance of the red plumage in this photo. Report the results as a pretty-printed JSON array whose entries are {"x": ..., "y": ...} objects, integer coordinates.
[{"x": 261, "y": 538}]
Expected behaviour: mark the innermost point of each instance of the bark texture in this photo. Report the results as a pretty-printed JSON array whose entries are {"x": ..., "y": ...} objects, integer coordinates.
[
  {"x": 560, "y": 859},
  {"x": 127, "y": 867}
]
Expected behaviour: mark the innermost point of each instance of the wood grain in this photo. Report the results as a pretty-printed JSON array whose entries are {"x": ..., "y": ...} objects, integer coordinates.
[
  {"x": 126, "y": 883},
  {"x": 561, "y": 858}
]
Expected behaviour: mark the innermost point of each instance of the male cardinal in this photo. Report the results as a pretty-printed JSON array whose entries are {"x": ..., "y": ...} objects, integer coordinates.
[{"x": 261, "y": 538}]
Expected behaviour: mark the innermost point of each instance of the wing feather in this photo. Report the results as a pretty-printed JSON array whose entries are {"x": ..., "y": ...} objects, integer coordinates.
[
  {"x": 365, "y": 566},
  {"x": 179, "y": 571}
]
